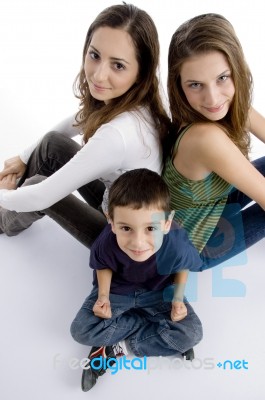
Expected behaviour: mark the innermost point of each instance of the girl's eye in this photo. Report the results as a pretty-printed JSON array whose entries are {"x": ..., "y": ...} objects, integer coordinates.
[
  {"x": 224, "y": 78},
  {"x": 94, "y": 55},
  {"x": 195, "y": 85},
  {"x": 119, "y": 66}
]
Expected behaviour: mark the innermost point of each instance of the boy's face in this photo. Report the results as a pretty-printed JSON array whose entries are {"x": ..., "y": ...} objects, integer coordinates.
[{"x": 140, "y": 232}]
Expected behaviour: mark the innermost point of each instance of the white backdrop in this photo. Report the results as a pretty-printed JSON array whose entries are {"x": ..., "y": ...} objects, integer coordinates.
[{"x": 44, "y": 272}]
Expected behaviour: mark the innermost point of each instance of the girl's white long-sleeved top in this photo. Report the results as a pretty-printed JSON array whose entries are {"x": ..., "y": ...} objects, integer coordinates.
[{"x": 128, "y": 142}]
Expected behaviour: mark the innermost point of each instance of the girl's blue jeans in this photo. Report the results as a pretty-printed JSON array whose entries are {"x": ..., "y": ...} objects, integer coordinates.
[
  {"x": 238, "y": 228},
  {"x": 143, "y": 318}
]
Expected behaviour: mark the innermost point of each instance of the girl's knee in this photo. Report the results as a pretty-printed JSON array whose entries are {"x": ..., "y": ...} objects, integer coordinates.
[
  {"x": 54, "y": 140},
  {"x": 50, "y": 137}
]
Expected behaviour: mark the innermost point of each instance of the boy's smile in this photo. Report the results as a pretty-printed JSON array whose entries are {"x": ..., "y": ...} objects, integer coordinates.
[{"x": 139, "y": 233}]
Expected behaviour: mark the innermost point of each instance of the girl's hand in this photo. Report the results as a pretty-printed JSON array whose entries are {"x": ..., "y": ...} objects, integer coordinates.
[
  {"x": 178, "y": 311},
  {"x": 13, "y": 165},
  {"x": 102, "y": 307},
  {"x": 9, "y": 182}
]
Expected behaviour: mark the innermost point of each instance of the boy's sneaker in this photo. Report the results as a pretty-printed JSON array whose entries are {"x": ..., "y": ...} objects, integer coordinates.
[
  {"x": 106, "y": 356},
  {"x": 120, "y": 349}
]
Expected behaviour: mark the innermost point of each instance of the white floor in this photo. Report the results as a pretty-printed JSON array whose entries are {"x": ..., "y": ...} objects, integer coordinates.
[
  {"x": 44, "y": 279},
  {"x": 44, "y": 273}
]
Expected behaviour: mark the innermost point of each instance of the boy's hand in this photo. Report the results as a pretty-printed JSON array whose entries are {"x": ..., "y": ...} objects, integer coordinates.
[
  {"x": 102, "y": 307},
  {"x": 178, "y": 311}
]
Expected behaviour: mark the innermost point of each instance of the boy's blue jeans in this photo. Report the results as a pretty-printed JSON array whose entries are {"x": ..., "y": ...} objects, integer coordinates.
[
  {"x": 238, "y": 228},
  {"x": 143, "y": 318}
]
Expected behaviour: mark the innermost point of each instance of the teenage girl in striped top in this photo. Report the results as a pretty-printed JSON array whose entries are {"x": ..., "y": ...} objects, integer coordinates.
[{"x": 207, "y": 169}]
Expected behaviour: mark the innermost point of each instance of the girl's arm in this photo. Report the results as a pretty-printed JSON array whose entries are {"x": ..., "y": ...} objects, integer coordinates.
[
  {"x": 17, "y": 165},
  {"x": 65, "y": 128},
  {"x": 256, "y": 124},
  {"x": 13, "y": 165},
  {"x": 216, "y": 152},
  {"x": 101, "y": 155}
]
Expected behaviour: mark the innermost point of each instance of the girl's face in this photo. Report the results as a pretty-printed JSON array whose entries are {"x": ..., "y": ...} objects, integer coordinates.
[
  {"x": 110, "y": 66},
  {"x": 207, "y": 83}
]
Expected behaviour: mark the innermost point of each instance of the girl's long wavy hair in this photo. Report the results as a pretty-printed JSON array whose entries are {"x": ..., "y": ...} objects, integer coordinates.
[
  {"x": 203, "y": 34},
  {"x": 145, "y": 92}
]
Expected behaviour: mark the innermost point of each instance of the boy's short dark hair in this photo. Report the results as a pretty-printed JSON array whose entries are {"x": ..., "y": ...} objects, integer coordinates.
[{"x": 139, "y": 188}]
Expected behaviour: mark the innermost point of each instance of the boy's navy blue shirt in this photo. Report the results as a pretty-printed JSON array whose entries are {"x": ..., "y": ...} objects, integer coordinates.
[{"x": 175, "y": 254}]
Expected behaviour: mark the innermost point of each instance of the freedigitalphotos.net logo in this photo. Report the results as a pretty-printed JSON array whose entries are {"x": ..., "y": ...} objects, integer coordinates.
[
  {"x": 230, "y": 364},
  {"x": 148, "y": 364},
  {"x": 98, "y": 363}
]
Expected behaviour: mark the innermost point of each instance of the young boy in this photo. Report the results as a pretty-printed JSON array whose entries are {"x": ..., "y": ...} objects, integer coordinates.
[{"x": 140, "y": 263}]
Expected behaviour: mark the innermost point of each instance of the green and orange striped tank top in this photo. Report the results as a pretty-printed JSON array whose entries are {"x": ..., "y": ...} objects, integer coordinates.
[{"x": 199, "y": 204}]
